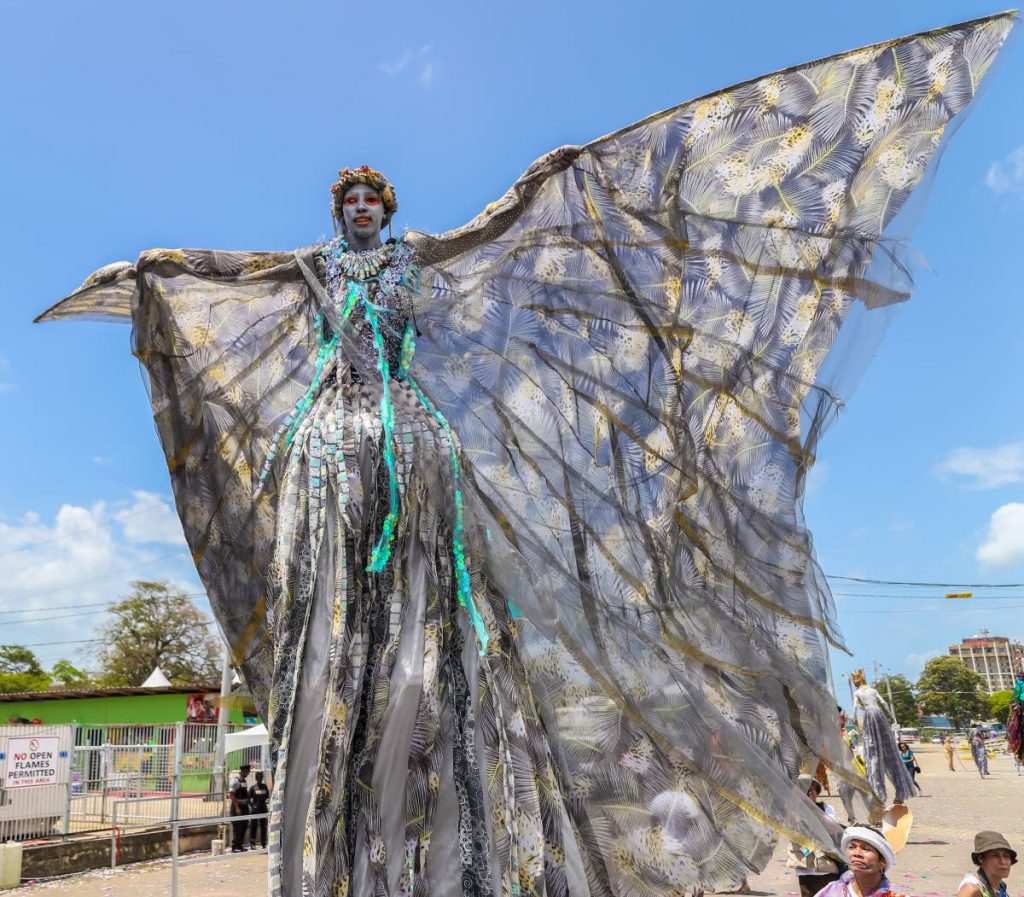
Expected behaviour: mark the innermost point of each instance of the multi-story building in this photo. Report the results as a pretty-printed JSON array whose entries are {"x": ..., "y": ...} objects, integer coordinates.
[{"x": 995, "y": 658}]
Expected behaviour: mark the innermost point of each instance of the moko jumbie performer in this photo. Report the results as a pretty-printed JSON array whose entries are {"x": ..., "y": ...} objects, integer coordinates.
[{"x": 504, "y": 525}]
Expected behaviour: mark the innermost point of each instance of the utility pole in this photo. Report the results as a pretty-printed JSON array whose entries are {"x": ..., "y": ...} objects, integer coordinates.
[
  {"x": 219, "y": 782},
  {"x": 892, "y": 706},
  {"x": 888, "y": 688}
]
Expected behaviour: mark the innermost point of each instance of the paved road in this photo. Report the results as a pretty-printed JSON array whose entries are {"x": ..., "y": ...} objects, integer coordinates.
[{"x": 955, "y": 805}]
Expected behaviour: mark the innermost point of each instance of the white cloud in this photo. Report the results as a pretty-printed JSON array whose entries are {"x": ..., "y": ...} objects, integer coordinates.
[
  {"x": 150, "y": 519},
  {"x": 1004, "y": 545},
  {"x": 38, "y": 558},
  {"x": 1007, "y": 175},
  {"x": 985, "y": 468},
  {"x": 57, "y": 574},
  {"x": 396, "y": 66},
  {"x": 418, "y": 64}
]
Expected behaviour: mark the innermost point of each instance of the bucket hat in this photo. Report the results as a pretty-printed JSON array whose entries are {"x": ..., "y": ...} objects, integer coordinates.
[
  {"x": 873, "y": 837},
  {"x": 986, "y": 841}
]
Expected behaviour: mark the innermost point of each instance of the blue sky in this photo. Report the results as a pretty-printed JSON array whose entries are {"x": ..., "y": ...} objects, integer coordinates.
[{"x": 129, "y": 126}]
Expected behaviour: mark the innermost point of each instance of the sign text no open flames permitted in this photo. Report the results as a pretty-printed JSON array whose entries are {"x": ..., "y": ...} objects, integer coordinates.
[{"x": 31, "y": 761}]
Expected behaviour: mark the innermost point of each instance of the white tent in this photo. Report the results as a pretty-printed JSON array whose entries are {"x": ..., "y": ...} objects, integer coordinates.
[
  {"x": 257, "y": 736},
  {"x": 156, "y": 679}
]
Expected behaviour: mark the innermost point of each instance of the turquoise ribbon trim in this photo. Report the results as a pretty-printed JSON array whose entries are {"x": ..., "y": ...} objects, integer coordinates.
[
  {"x": 464, "y": 588},
  {"x": 381, "y": 553}
]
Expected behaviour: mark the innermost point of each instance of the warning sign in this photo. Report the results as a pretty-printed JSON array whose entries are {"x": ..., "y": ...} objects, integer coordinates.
[{"x": 31, "y": 761}]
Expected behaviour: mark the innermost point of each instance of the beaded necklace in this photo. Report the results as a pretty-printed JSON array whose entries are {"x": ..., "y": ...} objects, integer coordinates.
[{"x": 363, "y": 264}]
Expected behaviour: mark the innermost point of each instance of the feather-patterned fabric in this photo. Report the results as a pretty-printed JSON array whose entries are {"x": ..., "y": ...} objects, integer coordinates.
[{"x": 620, "y": 375}]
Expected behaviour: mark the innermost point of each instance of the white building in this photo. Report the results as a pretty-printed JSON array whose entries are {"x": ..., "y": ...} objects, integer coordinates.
[{"x": 995, "y": 658}]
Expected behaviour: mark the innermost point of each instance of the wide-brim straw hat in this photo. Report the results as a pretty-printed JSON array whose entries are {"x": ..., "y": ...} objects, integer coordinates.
[
  {"x": 986, "y": 841},
  {"x": 896, "y": 824}
]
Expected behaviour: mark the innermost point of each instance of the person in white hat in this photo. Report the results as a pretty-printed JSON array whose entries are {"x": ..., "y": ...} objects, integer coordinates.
[{"x": 870, "y": 857}]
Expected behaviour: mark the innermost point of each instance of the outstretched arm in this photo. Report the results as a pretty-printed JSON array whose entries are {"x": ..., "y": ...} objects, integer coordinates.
[
  {"x": 227, "y": 342},
  {"x": 498, "y": 216},
  {"x": 107, "y": 293}
]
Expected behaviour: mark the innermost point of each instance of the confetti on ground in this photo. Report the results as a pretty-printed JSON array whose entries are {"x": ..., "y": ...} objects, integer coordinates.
[{"x": 939, "y": 852}]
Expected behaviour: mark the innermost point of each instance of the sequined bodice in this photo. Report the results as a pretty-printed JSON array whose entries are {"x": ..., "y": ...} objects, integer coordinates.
[
  {"x": 867, "y": 697},
  {"x": 394, "y": 311}
]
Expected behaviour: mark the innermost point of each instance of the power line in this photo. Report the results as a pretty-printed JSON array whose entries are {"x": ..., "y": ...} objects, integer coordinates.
[
  {"x": 914, "y": 610},
  {"x": 105, "y": 604},
  {"x": 77, "y": 641},
  {"x": 925, "y": 597},
  {"x": 81, "y": 613},
  {"x": 933, "y": 585}
]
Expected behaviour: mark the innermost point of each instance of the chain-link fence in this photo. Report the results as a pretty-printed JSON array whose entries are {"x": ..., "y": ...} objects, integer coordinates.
[{"x": 86, "y": 778}]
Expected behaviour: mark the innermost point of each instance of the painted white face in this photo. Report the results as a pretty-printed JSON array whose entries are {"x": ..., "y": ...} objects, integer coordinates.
[{"x": 362, "y": 212}]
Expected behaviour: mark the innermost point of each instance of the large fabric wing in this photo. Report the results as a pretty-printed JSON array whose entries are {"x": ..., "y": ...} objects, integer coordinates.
[
  {"x": 227, "y": 341},
  {"x": 631, "y": 346}
]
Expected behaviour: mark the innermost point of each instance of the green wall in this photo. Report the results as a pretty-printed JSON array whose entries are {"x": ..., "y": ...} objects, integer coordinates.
[{"x": 134, "y": 709}]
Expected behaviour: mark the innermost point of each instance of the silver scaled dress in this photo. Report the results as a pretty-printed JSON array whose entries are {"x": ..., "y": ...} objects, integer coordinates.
[{"x": 507, "y": 537}]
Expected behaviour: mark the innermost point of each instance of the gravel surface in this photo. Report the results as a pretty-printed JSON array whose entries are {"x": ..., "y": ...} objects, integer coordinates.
[{"x": 954, "y": 806}]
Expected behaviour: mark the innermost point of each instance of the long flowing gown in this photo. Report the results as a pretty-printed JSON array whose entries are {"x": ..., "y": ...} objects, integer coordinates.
[
  {"x": 881, "y": 753},
  {"x": 524, "y": 591}
]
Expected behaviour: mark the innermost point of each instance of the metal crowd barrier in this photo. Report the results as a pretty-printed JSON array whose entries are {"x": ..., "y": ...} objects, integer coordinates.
[{"x": 176, "y": 827}]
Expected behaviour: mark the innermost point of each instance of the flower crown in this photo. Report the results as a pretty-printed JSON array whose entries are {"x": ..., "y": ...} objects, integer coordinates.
[{"x": 347, "y": 177}]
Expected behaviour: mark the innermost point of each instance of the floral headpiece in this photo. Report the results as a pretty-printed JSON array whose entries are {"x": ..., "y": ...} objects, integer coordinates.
[{"x": 347, "y": 177}]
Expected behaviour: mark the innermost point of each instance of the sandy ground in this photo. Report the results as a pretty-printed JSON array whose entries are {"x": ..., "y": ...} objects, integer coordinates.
[{"x": 954, "y": 806}]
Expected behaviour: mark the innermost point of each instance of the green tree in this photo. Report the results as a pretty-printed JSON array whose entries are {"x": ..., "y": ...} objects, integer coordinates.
[
  {"x": 948, "y": 687},
  {"x": 20, "y": 670},
  {"x": 64, "y": 674},
  {"x": 157, "y": 626},
  {"x": 904, "y": 704},
  {"x": 999, "y": 704}
]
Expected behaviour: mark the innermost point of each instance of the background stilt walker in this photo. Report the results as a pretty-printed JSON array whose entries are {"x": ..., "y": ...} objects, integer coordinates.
[{"x": 881, "y": 754}]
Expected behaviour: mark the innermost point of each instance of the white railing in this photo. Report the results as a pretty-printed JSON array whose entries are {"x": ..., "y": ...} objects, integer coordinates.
[{"x": 165, "y": 772}]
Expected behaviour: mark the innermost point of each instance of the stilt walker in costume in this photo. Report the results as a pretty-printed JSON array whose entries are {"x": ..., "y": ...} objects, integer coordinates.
[
  {"x": 881, "y": 754},
  {"x": 504, "y": 525},
  {"x": 1015, "y": 722}
]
